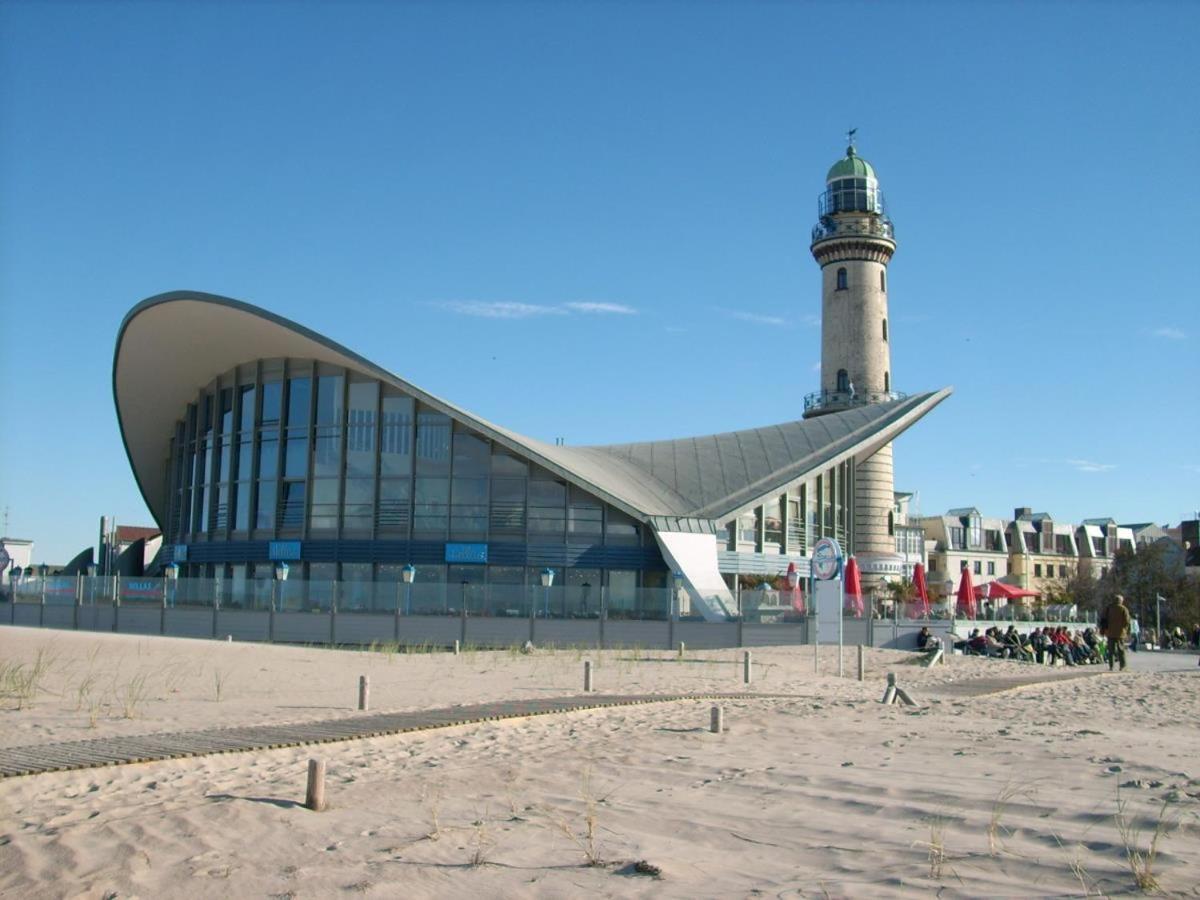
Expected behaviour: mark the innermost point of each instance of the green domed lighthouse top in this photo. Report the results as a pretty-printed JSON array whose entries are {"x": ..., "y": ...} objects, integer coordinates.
[{"x": 852, "y": 166}]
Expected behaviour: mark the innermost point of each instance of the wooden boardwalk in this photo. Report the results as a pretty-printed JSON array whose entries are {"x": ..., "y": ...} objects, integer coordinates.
[{"x": 115, "y": 751}]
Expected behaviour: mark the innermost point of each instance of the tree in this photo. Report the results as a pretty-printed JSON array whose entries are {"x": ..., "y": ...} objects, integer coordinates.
[{"x": 1152, "y": 572}]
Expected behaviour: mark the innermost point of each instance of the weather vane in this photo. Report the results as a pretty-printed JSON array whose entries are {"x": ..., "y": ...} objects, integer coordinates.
[{"x": 850, "y": 137}]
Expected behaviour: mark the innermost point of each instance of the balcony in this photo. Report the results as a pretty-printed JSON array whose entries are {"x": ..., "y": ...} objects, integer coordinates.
[
  {"x": 831, "y": 401},
  {"x": 831, "y": 228}
]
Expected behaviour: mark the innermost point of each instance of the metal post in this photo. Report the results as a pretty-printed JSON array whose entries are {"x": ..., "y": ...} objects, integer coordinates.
[
  {"x": 364, "y": 692},
  {"x": 717, "y": 723},
  {"x": 603, "y": 613},
  {"x": 42, "y": 605},
  {"x": 841, "y": 632},
  {"x": 162, "y": 612},
  {"x": 78, "y": 599},
  {"x": 587, "y": 676},
  {"x": 862, "y": 661},
  {"x": 116, "y": 597},
  {"x": 1158, "y": 641},
  {"x": 271, "y": 612},
  {"x": 333, "y": 604},
  {"x": 396, "y": 616},
  {"x": 746, "y": 664}
]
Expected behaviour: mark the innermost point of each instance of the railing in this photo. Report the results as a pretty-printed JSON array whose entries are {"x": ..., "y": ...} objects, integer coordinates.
[
  {"x": 846, "y": 399},
  {"x": 829, "y": 228}
]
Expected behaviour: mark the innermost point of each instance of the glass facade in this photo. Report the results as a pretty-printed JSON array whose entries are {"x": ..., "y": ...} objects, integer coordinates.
[{"x": 296, "y": 450}]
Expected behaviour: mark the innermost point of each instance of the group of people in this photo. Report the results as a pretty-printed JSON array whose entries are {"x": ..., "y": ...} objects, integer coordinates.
[{"x": 1050, "y": 643}]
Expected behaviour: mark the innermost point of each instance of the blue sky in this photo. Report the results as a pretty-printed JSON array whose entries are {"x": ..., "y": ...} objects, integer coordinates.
[{"x": 591, "y": 220}]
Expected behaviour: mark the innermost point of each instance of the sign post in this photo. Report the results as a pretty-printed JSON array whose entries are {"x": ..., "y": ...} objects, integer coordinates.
[{"x": 827, "y": 590}]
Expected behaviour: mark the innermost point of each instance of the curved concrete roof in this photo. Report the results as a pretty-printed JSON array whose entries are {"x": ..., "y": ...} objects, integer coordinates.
[{"x": 171, "y": 345}]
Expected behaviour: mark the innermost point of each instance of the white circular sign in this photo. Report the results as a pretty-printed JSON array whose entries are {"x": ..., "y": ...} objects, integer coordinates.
[{"x": 826, "y": 559}]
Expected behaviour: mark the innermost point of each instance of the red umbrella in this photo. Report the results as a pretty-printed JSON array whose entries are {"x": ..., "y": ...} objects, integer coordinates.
[
  {"x": 852, "y": 586},
  {"x": 797, "y": 594},
  {"x": 966, "y": 595},
  {"x": 921, "y": 608}
]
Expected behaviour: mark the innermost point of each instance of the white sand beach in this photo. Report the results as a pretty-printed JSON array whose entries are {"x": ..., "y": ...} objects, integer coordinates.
[{"x": 1039, "y": 791}]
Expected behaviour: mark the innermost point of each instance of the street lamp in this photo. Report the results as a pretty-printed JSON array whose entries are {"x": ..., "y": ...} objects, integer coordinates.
[
  {"x": 547, "y": 581},
  {"x": 677, "y": 578},
  {"x": 281, "y": 575},
  {"x": 407, "y": 574},
  {"x": 170, "y": 574}
]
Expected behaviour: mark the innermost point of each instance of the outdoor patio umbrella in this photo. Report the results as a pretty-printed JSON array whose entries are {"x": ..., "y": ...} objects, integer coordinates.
[
  {"x": 966, "y": 595},
  {"x": 920, "y": 609},
  {"x": 796, "y": 592},
  {"x": 852, "y": 586}
]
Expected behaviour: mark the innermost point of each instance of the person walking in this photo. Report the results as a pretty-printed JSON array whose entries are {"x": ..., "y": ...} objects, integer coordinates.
[{"x": 1116, "y": 628}]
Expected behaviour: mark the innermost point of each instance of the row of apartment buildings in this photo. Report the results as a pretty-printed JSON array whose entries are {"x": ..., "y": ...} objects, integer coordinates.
[{"x": 1030, "y": 550}]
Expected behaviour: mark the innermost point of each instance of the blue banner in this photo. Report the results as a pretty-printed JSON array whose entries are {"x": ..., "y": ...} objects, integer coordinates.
[
  {"x": 283, "y": 550},
  {"x": 467, "y": 553}
]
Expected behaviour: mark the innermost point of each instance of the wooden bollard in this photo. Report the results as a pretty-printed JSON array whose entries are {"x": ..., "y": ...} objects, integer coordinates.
[
  {"x": 315, "y": 798},
  {"x": 862, "y": 662},
  {"x": 364, "y": 692},
  {"x": 456, "y": 648},
  {"x": 747, "y": 675},
  {"x": 682, "y": 649},
  {"x": 717, "y": 724},
  {"x": 889, "y": 695},
  {"x": 587, "y": 676}
]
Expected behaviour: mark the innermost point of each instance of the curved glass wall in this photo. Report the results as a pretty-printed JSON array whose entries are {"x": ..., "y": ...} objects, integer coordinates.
[{"x": 295, "y": 450}]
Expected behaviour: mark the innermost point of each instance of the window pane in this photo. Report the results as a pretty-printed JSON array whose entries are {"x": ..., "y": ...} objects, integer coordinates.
[
  {"x": 295, "y": 464},
  {"x": 329, "y": 399},
  {"x": 241, "y": 517},
  {"x": 396, "y": 439},
  {"x": 327, "y": 452},
  {"x": 358, "y": 506},
  {"x": 272, "y": 397},
  {"x": 323, "y": 515},
  {"x": 504, "y": 464},
  {"x": 265, "y": 516},
  {"x": 291, "y": 510},
  {"x": 360, "y": 428},
  {"x": 244, "y": 459},
  {"x": 246, "y": 406},
  {"x": 268, "y": 458},
  {"x": 472, "y": 455},
  {"x": 394, "y": 503},
  {"x": 431, "y": 503},
  {"x": 433, "y": 444},
  {"x": 299, "y": 391}
]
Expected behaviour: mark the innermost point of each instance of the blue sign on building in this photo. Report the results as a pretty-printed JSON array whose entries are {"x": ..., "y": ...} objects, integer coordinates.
[
  {"x": 285, "y": 550},
  {"x": 180, "y": 553},
  {"x": 466, "y": 553}
]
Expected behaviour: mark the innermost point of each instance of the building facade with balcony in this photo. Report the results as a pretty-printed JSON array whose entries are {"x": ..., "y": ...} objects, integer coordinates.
[{"x": 964, "y": 538}]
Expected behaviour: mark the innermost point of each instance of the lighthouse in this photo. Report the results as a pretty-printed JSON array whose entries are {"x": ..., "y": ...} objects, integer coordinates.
[{"x": 853, "y": 242}]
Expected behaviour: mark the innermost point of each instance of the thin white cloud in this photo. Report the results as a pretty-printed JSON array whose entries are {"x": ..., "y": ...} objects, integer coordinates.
[
  {"x": 499, "y": 309},
  {"x": 510, "y": 309},
  {"x": 1170, "y": 333},
  {"x": 759, "y": 319},
  {"x": 614, "y": 309},
  {"x": 1086, "y": 465}
]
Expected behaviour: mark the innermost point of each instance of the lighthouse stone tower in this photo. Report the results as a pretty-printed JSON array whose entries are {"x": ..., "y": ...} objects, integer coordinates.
[{"x": 853, "y": 242}]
